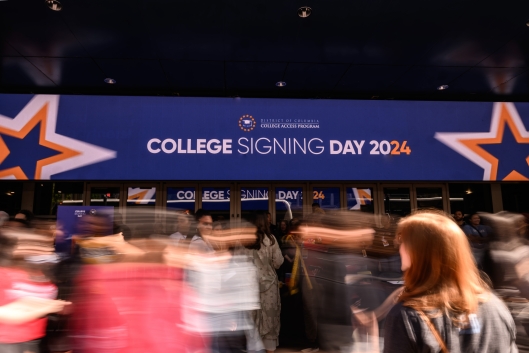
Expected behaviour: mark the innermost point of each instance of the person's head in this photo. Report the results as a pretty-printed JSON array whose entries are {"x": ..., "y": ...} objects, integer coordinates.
[
  {"x": 475, "y": 219},
  {"x": 183, "y": 223},
  {"x": 458, "y": 216},
  {"x": 283, "y": 226},
  {"x": 315, "y": 206},
  {"x": 95, "y": 225},
  {"x": 295, "y": 229},
  {"x": 386, "y": 221},
  {"x": 262, "y": 232},
  {"x": 440, "y": 271},
  {"x": 4, "y": 217},
  {"x": 25, "y": 215},
  {"x": 261, "y": 222},
  {"x": 269, "y": 217},
  {"x": 506, "y": 226},
  {"x": 218, "y": 227},
  {"x": 216, "y": 236},
  {"x": 204, "y": 222}
]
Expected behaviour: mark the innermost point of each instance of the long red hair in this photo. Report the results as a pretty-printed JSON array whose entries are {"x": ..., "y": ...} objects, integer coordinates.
[{"x": 442, "y": 274}]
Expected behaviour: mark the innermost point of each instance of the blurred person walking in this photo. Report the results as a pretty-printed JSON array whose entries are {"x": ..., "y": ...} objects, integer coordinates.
[
  {"x": 508, "y": 268},
  {"x": 273, "y": 228},
  {"x": 225, "y": 293},
  {"x": 267, "y": 257},
  {"x": 478, "y": 236},
  {"x": 27, "y": 296},
  {"x": 445, "y": 306},
  {"x": 300, "y": 283},
  {"x": 184, "y": 223}
]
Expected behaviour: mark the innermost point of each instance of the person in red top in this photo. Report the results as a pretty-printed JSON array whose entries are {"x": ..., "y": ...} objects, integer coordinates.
[{"x": 26, "y": 298}]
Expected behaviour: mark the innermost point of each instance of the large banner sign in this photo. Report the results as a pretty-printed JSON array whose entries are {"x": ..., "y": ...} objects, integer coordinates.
[{"x": 164, "y": 138}]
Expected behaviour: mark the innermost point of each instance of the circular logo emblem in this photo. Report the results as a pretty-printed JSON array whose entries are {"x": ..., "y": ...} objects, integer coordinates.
[
  {"x": 247, "y": 123},
  {"x": 93, "y": 212}
]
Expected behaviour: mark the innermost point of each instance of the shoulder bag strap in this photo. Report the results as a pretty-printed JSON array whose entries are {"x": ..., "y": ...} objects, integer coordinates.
[
  {"x": 434, "y": 331},
  {"x": 477, "y": 230}
]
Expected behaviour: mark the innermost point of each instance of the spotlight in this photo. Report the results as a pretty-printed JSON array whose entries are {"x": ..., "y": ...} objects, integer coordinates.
[
  {"x": 110, "y": 81},
  {"x": 442, "y": 87},
  {"x": 281, "y": 84},
  {"x": 304, "y": 11},
  {"x": 54, "y": 5}
]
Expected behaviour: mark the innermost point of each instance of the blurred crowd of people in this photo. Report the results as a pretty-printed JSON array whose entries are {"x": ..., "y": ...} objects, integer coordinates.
[{"x": 336, "y": 281}]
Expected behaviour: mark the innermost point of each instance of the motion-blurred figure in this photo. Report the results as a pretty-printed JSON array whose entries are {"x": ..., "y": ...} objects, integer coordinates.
[
  {"x": 478, "y": 236},
  {"x": 27, "y": 295},
  {"x": 267, "y": 257},
  {"x": 119, "y": 226},
  {"x": 225, "y": 292},
  {"x": 127, "y": 299},
  {"x": 508, "y": 268},
  {"x": 183, "y": 234}
]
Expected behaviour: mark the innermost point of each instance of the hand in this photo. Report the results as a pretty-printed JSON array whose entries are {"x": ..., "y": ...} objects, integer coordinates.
[
  {"x": 55, "y": 306},
  {"x": 43, "y": 306}
]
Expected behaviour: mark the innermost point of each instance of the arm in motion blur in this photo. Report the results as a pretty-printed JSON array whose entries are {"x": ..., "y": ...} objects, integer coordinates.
[{"x": 28, "y": 309}]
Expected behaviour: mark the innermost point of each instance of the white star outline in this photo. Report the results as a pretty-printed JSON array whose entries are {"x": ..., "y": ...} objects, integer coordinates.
[
  {"x": 453, "y": 139},
  {"x": 88, "y": 153}
]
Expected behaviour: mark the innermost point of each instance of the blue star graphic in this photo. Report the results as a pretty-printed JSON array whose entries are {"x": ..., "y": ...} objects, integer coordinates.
[
  {"x": 510, "y": 153},
  {"x": 25, "y": 152}
]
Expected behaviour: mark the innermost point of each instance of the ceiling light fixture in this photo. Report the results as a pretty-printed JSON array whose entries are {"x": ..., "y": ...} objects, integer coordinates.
[
  {"x": 442, "y": 87},
  {"x": 54, "y": 5},
  {"x": 304, "y": 11},
  {"x": 468, "y": 191},
  {"x": 110, "y": 81},
  {"x": 281, "y": 84}
]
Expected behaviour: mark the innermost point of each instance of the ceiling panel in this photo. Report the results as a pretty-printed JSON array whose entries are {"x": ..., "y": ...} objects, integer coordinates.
[
  {"x": 261, "y": 32},
  {"x": 120, "y": 30},
  {"x": 134, "y": 73},
  {"x": 519, "y": 85},
  {"x": 482, "y": 31},
  {"x": 371, "y": 79},
  {"x": 483, "y": 79},
  {"x": 34, "y": 30},
  {"x": 254, "y": 75},
  {"x": 194, "y": 75},
  {"x": 426, "y": 79},
  {"x": 313, "y": 77},
  {"x": 345, "y": 49},
  {"x": 515, "y": 53},
  {"x": 7, "y": 50},
  {"x": 18, "y": 72},
  {"x": 70, "y": 72},
  {"x": 186, "y": 30}
]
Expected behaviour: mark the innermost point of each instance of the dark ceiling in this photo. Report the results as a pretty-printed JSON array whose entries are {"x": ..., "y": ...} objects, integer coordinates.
[{"x": 385, "y": 49}]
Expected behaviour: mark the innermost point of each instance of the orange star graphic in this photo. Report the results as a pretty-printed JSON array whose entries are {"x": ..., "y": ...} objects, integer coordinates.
[
  {"x": 39, "y": 117},
  {"x": 506, "y": 119},
  {"x": 468, "y": 144}
]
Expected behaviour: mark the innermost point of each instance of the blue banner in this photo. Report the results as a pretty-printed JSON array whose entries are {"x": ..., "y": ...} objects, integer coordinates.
[
  {"x": 163, "y": 138},
  {"x": 70, "y": 223}
]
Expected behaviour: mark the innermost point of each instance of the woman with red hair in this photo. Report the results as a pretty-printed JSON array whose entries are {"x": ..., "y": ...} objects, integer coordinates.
[{"x": 445, "y": 305}]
